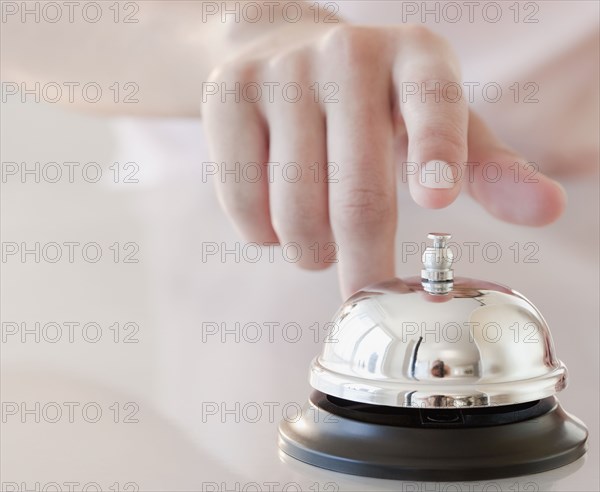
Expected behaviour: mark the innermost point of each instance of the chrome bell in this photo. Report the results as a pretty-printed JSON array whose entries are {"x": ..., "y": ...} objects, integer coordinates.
[
  {"x": 416, "y": 365},
  {"x": 438, "y": 342}
]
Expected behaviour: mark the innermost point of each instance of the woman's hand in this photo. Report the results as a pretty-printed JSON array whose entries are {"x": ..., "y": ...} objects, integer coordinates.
[{"x": 356, "y": 123}]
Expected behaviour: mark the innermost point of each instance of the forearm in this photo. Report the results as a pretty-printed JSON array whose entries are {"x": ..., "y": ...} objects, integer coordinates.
[{"x": 167, "y": 55}]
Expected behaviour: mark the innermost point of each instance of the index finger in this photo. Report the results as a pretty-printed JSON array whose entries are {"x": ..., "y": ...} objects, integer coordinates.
[{"x": 362, "y": 201}]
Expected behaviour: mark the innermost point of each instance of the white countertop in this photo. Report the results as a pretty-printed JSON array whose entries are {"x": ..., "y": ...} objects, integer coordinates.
[{"x": 171, "y": 428}]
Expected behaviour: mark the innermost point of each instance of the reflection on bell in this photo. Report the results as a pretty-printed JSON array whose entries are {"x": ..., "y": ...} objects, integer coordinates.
[{"x": 436, "y": 378}]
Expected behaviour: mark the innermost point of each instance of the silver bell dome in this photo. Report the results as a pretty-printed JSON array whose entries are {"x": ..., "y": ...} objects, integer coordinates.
[{"x": 437, "y": 341}]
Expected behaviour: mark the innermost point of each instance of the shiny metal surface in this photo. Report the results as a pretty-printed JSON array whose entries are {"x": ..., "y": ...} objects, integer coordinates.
[
  {"x": 481, "y": 344},
  {"x": 437, "y": 276}
]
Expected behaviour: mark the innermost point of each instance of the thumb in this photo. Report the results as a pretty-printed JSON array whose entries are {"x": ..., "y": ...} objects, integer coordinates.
[{"x": 506, "y": 185}]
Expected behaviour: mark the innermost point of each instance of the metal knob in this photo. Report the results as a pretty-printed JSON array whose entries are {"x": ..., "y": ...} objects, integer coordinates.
[{"x": 437, "y": 276}]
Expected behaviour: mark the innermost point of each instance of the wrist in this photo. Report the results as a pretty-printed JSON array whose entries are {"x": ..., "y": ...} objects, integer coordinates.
[
  {"x": 243, "y": 29},
  {"x": 244, "y": 22}
]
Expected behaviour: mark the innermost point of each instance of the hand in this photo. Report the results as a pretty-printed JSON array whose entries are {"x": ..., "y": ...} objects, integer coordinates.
[{"x": 365, "y": 135}]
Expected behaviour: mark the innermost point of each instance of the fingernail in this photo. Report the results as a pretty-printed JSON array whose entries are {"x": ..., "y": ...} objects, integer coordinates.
[{"x": 437, "y": 175}]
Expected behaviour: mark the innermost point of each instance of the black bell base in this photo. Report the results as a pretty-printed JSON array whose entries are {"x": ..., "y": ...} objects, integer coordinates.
[{"x": 433, "y": 445}]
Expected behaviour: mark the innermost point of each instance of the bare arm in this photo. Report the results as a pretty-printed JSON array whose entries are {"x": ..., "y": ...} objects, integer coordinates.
[
  {"x": 366, "y": 131},
  {"x": 166, "y": 49}
]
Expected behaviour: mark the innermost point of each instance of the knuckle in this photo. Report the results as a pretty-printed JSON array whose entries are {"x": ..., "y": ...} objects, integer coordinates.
[
  {"x": 292, "y": 64},
  {"x": 301, "y": 224},
  {"x": 224, "y": 87},
  {"x": 434, "y": 42},
  {"x": 364, "y": 210},
  {"x": 350, "y": 44},
  {"x": 235, "y": 71},
  {"x": 422, "y": 34},
  {"x": 449, "y": 137}
]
